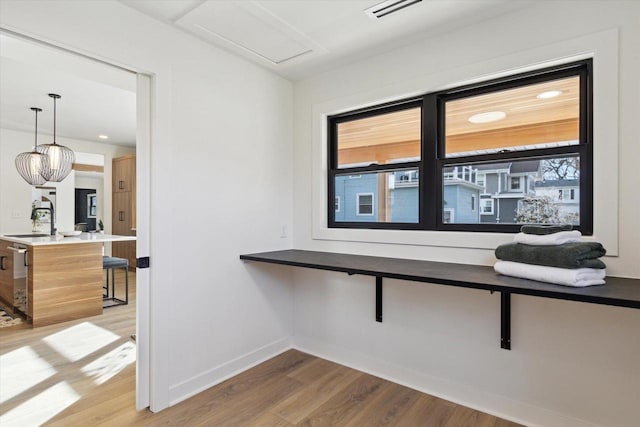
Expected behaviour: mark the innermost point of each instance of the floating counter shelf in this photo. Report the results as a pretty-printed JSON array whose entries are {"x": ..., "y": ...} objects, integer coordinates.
[{"x": 617, "y": 291}]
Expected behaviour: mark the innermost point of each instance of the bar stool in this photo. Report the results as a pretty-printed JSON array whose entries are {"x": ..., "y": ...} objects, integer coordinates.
[{"x": 111, "y": 263}]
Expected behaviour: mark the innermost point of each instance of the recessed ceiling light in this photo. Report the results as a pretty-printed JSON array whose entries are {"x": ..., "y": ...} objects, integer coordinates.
[
  {"x": 549, "y": 94},
  {"x": 489, "y": 116},
  {"x": 103, "y": 136}
]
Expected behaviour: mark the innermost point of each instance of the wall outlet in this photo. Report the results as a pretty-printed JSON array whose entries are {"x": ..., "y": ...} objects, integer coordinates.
[
  {"x": 283, "y": 231},
  {"x": 17, "y": 214}
]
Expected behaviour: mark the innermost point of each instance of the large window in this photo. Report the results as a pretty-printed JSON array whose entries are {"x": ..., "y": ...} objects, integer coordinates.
[{"x": 519, "y": 147}]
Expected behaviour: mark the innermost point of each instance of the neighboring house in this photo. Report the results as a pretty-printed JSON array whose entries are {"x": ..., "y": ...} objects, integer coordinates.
[
  {"x": 565, "y": 194},
  {"x": 356, "y": 198},
  {"x": 491, "y": 193},
  {"x": 461, "y": 195},
  {"x": 404, "y": 197},
  {"x": 505, "y": 184}
]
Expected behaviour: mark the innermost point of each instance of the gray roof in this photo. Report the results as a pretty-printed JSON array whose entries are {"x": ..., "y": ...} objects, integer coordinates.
[
  {"x": 558, "y": 183},
  {"x": 526, "y": 166},
  {"x": 513, "y": 167},
  {"x": 492, "y": 166}
]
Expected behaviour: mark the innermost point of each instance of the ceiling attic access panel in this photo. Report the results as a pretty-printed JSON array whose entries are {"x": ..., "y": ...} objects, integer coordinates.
[{"x": 249, "y": 28}]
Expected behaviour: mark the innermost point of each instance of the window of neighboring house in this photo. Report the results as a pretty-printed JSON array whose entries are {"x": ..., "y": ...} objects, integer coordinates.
[
  {"x": 365, "y": 204},
  {"x": 515, "y": 183},
  {"x": 573, "y": 194},
  {"x": 448, "y": 216},
  {"x": 534, "y": 128},
  {"x": 337, "y": 204},
  {"x": 473, "y": 203},
  {"x": 486, "y": 206}
]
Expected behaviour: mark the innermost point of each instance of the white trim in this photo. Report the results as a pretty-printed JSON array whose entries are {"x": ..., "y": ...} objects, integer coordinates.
[
  {"x": 602, "y": 46},
  {"x": 143, "y": 212},
  {"x": 482, "y": 205},
  {"x": 461, "y": 394},
  {"x": 358, "y": 213},
  {"x": 207, "y": 379}
]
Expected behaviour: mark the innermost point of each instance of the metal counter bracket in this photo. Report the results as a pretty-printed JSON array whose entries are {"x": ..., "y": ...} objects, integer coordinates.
[
  {"x": 378, "y": 298},
  {"x": 505, "y": 320}
]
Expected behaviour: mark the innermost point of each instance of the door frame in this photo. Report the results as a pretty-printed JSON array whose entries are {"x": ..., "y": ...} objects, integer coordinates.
[{"x": 143, "y": 203}]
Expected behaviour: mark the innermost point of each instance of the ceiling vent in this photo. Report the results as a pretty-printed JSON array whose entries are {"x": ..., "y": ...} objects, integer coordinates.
[{"x": 388, "y": 7}]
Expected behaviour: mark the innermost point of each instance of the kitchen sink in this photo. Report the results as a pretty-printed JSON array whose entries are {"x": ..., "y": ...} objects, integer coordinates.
[{"x": 27, "y": 235}]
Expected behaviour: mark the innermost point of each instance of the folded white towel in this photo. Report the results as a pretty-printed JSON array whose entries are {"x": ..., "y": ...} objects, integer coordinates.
[
  {"x": 578, "y": 277},
  {"x": 549, "y": 239}
]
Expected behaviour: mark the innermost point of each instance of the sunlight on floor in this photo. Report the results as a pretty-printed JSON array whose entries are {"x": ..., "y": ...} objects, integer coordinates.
[
  {"x": 80, "y": 340},
  {"x": 22, "y": 369},
  {"x": 105, "y": 367},
  {"x": 42, "y": 407}
]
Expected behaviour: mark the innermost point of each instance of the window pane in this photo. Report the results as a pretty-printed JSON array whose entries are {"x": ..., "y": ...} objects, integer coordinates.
[
  {"x": 541, "y": 191},
  {"x": 540, "y": 115},
  {"x": 385, "y": 138},
  {"x": 378, "y": 197}
]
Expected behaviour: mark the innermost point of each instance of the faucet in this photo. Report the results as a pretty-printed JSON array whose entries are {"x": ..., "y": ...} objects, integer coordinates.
[{"x": 53, "y": 228}]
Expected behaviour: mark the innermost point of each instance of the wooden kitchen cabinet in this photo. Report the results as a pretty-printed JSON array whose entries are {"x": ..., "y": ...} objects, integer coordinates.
[
  {"x": 124, "y": 174},
  {"x": 6, "y": 274},
  {"x": 123, "y": 219}
]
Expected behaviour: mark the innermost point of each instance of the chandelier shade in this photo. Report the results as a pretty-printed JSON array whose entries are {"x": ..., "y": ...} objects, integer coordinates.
[
  {"x": 30, "y": 164},
  {"x": 58, "y": 160}
]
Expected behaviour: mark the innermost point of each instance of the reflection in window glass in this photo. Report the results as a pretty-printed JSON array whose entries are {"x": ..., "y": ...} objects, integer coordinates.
[
  {"x": 378, "y": 197},
  {"x": 542, "y": 115},
  {"x": 542, "y": 191},
  {"x": 382, "y": 139}
]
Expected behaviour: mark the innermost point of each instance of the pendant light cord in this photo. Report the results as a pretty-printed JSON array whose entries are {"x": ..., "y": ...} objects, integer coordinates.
[
  {"x": 36, "y": 149},
  {"x": 54, "y": 120},
  {"x": 55, "y": 97},
  {"x": 36, "y": 110}
]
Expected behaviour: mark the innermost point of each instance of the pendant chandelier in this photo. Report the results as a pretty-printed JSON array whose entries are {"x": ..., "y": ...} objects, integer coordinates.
[
  {"x": 29, "y": 165},
  {"x": 58, "y": 160}
]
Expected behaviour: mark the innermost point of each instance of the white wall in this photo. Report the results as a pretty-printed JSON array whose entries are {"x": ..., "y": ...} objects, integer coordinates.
[
  {"x": 571, "y": 363},
  {"x": 15, "y": 193},
  {"x": 221, "y": 185}
]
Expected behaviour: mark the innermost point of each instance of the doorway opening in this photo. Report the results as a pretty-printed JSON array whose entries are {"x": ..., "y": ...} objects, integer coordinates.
[{"x": 102, "y": 116}]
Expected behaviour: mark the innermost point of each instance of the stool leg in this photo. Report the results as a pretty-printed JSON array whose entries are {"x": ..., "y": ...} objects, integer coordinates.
[
  {"x": 113, "y": 282},
  {"x": 107, "y": 287},
  {"x": 126, "y": 285}
]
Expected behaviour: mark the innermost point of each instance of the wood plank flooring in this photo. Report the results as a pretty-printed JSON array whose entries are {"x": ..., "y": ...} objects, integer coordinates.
[{"x": 292, "y": 389}]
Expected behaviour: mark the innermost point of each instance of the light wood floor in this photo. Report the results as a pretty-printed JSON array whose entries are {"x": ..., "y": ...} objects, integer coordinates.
[{"x": 292, "y": 389}]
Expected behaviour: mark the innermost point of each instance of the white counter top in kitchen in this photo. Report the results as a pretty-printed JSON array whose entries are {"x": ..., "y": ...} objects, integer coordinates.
[{"x": 25, "y": 239}]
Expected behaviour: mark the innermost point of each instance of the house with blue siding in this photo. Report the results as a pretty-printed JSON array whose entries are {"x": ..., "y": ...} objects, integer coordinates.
[
  {"x": 504, "y": 186},
  {"x": 461, "y": 194},
  {"x": 356, "y": 198}
]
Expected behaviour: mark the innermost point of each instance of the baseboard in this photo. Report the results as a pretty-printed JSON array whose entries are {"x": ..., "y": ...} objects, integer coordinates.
[
  {"x": 218, "y": 374},
  {"x": 497, "y": 405}
]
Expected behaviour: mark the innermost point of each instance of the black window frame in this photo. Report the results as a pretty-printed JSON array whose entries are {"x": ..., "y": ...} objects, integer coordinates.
[{"x": 433, "y": 159}]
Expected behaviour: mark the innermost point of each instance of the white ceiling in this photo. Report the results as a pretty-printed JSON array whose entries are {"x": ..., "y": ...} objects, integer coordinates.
[
  {"x": 297, "y": 38},
  {"x": 97, "y": 99},
  {"x": 294, "y": 38}
]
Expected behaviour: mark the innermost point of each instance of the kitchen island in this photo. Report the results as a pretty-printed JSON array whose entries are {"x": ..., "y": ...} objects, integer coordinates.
[{"x": 64, "y": 275}]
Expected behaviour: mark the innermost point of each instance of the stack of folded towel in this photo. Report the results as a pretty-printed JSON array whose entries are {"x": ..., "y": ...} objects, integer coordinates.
[{"x": 552, "y": 254}]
